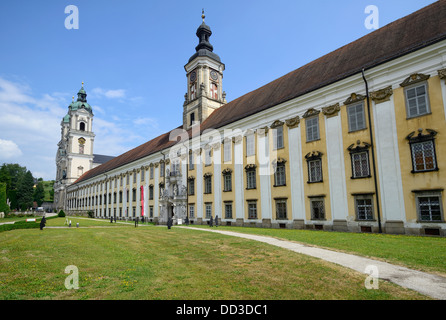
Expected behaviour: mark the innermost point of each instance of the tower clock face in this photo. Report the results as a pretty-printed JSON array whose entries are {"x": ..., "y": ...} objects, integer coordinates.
[
  {"x": 193, "y": 76},
  {"x": 214, "y": 75}
]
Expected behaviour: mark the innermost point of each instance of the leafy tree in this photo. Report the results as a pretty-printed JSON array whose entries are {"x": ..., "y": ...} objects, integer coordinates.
[
  {"x": 3, "y": 205},
  {"x": 25, "y": 191},
  {"x": 39, "y": 193}
]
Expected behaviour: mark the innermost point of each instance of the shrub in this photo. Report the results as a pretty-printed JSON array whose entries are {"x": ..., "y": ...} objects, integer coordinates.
[
  {"x": 61, "y": 214},
  {"x": 90, "y": 214}
]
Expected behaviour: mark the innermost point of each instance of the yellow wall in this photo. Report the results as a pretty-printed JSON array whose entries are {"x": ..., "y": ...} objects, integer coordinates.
[
  {"x": 320, "y": 188},
  {"x": 434, "y": 121}
]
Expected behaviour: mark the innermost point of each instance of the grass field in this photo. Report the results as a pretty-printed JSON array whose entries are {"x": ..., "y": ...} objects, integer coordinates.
[{"x": 119, "y": 261}]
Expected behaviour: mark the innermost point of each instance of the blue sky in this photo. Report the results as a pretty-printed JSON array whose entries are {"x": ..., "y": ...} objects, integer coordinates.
[{"x": 131, "y": 56}]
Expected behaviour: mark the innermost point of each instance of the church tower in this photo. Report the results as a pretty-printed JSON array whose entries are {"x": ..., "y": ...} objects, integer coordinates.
[
  {"x": 204, "y": 73},
  {"x": 75, "y": 149}
]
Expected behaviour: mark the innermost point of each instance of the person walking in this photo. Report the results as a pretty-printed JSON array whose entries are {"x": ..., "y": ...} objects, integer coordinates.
[
  {"x": 169, "y": 223},
  {"x": 211, "y": 222},
  {"x": 216, "y": 220}
]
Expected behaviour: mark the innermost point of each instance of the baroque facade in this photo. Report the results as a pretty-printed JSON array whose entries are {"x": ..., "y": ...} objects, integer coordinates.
[{"x": 353, "y": 141}]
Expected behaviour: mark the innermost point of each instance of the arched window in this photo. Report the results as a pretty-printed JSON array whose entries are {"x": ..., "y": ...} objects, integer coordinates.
[{"x": 82, "y": 126}]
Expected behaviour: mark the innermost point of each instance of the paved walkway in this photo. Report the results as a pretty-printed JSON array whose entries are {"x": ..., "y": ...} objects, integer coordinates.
[{"x": 428, "y": 284}]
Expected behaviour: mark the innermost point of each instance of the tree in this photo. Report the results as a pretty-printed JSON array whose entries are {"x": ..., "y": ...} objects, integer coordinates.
[
  {"x": 25, "y": 191},
  {"x": 39, "y": 193},
  {"x": 3, "y": 205}
]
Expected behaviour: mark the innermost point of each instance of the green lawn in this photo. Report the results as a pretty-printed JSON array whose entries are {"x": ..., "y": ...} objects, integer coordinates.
[
  {"x": 416, "y": 252},
  {"x": 119, "y": 261}
]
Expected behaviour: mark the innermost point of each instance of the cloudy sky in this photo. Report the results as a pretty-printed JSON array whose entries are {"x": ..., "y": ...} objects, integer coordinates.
[{"x": 131, "y": 56}]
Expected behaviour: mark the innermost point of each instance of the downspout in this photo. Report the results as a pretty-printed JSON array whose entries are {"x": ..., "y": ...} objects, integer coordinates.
[{"x": 373, "y": 153}]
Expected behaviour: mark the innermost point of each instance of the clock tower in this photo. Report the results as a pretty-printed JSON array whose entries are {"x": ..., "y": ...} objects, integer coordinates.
[{"x": 204, "y": 73}]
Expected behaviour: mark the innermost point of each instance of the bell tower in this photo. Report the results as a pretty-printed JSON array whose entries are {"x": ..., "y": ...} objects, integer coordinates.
[
  {"x": 204, "y": 73},
  {"x": 75, "y": 149}
]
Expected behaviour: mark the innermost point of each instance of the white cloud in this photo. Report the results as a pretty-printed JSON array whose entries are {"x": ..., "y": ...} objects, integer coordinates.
[
  {"x": 111, "y": 94},
  {"x": 9, "y": 149}
]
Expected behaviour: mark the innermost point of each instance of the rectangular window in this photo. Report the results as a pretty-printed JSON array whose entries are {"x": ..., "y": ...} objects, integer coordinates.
[
  {"x": 252, "y": 209},
  {"x": 208, "y": 157},
  {"x": 250, "y": 179},
  {"x": 150, "y": 192},
  {"x": 191, "y": 161},
  {"x": 127, "y": 179},
  {"x": 227, "y": 182},
  {"x": 315, "y": 170},
  {"x": 278, "y": 138},
  {"x": 356, "y": 117},
  {"x": 364, "y": 207},
  {"x": 280, "y": 175},
  {"x": 162, "y": 169},
  {"x": 360, "y": 164},
  {"x": 134, "y": 177},
  {"x": 312, "y": 127},
  {"x": 208, "y": 210},
  {"x": 317, "y": 209},
  {"x": 191, "y": 211},
  {"x": 142, "y": 174},
  {"x": 281, "y": 212},
  {"x": 151, "y": 172},
  {"x": 227, "y": 151},
  {"x": 208, "y": 184},
  {"x": 191, "y": 187},
  {"x": 423, "y": 156},
  {"x": 134, "y": 211},
  {"x": 429, "y": 207},
  {"x": 151, "y": 211},
  {"x": 417, "y": 101},
  {"x": 228, "y": 210},
  {"x": 134, "y": 195},
  {"x": 250, "y": 145}
]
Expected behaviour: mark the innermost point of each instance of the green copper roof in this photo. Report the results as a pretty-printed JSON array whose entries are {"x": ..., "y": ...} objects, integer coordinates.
[{"x": 66, "y": 119}]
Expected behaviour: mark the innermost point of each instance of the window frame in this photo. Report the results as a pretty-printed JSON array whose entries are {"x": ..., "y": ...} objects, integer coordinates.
[
  {"x": 249, "y": 204},
  {"x": 250, "y": 145},
  {"x": 280, "y": 179},
  {"x": 354, "y": 173},
  {"x": 278, "y": 203},
  {"x": 307, "y": 122},
  {"x": 207, "y": 184},
  {"x": 349, "y": 112},
  {"x": 228, "y": 204},
  {"x": 251, "y": 180},
  {"x": 278, "y": 136},
  {"x": 361, "y": 197},
  {"x": 208, "y": 205},
  {"x": 312, "y": 201},
  {"x": 429, "y": 194},
  {"x": 406, "y": 99},
  {"x": 413, "y": 158}
]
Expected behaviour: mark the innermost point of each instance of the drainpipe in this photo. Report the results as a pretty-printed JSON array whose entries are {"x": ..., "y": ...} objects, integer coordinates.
[{"x": 373, "y": 153}]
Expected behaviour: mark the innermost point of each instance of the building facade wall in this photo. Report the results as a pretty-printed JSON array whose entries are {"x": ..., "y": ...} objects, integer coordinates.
[{"x": 343, "y": 195}]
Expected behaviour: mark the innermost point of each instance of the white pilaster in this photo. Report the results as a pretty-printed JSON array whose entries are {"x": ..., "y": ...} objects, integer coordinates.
[
  {"x": 336, "y": 168},
  {"x": 238, "y": 180},
  {"x": 389, "y": 170},
  {"x": 296, "y": 174}
]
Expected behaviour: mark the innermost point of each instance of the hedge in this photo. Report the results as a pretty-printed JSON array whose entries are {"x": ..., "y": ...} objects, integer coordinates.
[{"x": 21, "y": 225}]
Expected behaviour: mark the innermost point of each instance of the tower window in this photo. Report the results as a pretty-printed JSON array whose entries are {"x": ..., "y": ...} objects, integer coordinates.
[
  {"x": 192, "y": 118},
  {"x": 82, "y": 126},
  {"x": 214, "y": 91}
]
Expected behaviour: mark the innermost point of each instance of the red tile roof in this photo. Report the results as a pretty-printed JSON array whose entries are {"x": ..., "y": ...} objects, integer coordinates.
[{"x": 413, "y": 32}]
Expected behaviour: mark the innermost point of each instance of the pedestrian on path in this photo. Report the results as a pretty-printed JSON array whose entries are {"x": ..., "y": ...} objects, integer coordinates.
[
  {"x": 211, "y": 222},
  {"x": 169, "y": 223},
  {"x": 216, "y": 220}
]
